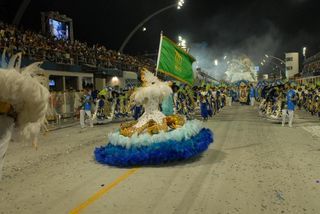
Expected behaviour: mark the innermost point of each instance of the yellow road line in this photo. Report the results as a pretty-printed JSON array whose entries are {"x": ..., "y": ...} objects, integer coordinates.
[{"x": 103, "y": 191}]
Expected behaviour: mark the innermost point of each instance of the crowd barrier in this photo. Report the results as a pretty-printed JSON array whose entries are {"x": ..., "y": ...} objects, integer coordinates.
[{"x": 64, "y": 109}]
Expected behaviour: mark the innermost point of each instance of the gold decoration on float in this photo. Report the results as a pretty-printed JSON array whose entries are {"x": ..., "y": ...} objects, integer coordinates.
[{"x": 151, "y": 127}]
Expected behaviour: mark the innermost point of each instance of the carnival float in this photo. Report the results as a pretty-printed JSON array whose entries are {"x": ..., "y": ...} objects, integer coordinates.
[
  {"x": 241, "y": 68},
  {"x": 154, "y": 138}
]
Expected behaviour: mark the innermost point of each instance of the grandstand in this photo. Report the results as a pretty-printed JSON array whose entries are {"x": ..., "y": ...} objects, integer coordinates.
[
  {"x": 70, "y": 64},
  {"x": 311, "y": 70}
]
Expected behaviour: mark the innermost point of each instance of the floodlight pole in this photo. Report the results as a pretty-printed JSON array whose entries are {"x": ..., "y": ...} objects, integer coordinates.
[
  {"x": 273, "y": 57},
  {"x": 141, "y": 24},
  {"x": 280, "y": 60},
  {"x": 277, "y": 65},
  {"x": 22, "y": 9}
]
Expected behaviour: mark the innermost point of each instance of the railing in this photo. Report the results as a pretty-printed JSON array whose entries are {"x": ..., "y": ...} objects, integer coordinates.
[{"x": 64, "y": 109}]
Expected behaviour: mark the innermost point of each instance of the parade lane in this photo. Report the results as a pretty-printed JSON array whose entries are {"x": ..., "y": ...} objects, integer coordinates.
[{"x": 254, "y": 166}]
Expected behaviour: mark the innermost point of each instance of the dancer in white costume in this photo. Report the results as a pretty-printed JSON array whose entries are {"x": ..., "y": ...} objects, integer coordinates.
[
  {"x": 150, "y": 96},
  {"x": 155, "y": 138},
  {"x": 23, "y": 103}
]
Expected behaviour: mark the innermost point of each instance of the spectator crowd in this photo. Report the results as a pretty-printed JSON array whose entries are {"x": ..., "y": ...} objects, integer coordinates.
[{"x": 40, "y": 48}]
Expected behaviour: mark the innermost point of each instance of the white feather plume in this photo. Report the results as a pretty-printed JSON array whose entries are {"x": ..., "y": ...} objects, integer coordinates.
[
  {"x": 154, "y": 88},
  {"x": 27, "y": 96}
]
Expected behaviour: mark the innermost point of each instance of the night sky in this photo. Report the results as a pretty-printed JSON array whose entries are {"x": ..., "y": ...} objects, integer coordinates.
[{"x": 249, "y": 27}]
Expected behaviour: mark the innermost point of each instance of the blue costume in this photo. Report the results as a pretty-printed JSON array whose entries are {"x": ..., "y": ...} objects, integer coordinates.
[
  {"x": 252, "y": 92},
  {"x": 137, "y": 111},
  {"x": 290, "y": 100},
  {"x": 204, "y": 105},
  {"x": 210, "y": 104},
  {"x": 87, "y": 103}
]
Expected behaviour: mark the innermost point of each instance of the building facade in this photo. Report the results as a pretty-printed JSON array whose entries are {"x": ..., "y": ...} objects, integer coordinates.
[
  {"x": 292, "y": 64},
  {"x": 311, "y": 70}
]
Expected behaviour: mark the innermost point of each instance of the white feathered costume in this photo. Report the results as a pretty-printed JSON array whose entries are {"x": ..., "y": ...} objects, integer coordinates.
[
  {"x": 150, "y": 96},
  {"x": 29, "y": 100}
]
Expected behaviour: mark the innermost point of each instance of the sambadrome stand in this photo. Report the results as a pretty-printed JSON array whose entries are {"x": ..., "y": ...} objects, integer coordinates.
[{"x": 155, "y": 138}]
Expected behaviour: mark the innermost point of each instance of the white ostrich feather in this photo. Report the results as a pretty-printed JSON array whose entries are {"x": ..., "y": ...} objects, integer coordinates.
[
  {"x": 27, "y": 96},
  {"x": 153, "y": 89}
]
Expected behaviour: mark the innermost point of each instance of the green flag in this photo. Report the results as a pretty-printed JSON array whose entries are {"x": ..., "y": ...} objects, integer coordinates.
[{"x": 174, "y": 61}]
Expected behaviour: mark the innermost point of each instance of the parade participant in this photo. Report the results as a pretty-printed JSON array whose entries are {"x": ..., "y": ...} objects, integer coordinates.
[
  {"x": 315, "y": 102},
  {"x": 181, "y": 102},
  {"x": 305, "y": 97},
  {"x": 218, "y": 100},
  {"x": 86, "y": 109},
  {"x": 117, "y": 105},
  {"x": 210, "y": 103},
  {"x": 290, "y": 104},
  {"x": 99, "y": 109},
  {"x": 23, "y": 104},
  {"x": 204, "y": 104},
  {"x": 243, "y": 93},
  {"x": 234, "y": 94},
  {"x": 300, "y": 97},
  {"x": 190, "y": 101},
  {"x": 223, "y": 97},
  {"x": 252, "y": 95},
  {"x": 214, "y": 100}
]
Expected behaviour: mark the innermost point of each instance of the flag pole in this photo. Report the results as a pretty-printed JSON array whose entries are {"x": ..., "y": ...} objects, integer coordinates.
[{"x": 159, "y": 53}]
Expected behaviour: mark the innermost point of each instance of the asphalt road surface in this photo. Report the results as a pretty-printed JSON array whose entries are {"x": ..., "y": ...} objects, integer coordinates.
[{"x": 254, "y": 166}]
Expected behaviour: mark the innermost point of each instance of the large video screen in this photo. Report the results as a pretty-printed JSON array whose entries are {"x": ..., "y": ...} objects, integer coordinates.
[
  {"x": 59, "y": 30},
  {"x": 52, "y": 83}
]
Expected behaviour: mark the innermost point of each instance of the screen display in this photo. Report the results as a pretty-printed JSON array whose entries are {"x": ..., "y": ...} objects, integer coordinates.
[
  {"x": 59, "y": 30},
  {"x": 52, "y": 83}
]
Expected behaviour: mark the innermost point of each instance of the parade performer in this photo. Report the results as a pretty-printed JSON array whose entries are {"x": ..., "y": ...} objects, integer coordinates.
[
  {"x": 315, "y": 102},
  {"x": 243, "y": 93},
  {"x": 252, "y": 94},
  {"x": 204, "y": 106},
  {"x": 181, "y": 107},
  {"x": 190, "y": 102},
  {"x": 300, "y": 98},
  {"x": 271, "y": 103},
  {"x": 99, "y": 113},
  {"x": 210, "y": 104},
  {"x": 23, "y": 103},
  {"x": 154, "y": 138},
  {"x": 86, "y": 109},
  {"x": 185, "y": 102},
  {"x": 290, "y": 104}
]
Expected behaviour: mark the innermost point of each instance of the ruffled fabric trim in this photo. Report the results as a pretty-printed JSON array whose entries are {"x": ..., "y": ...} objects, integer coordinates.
[
  {"x": 156, "y": 153},
  {"x": 190, "y": 129}
]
